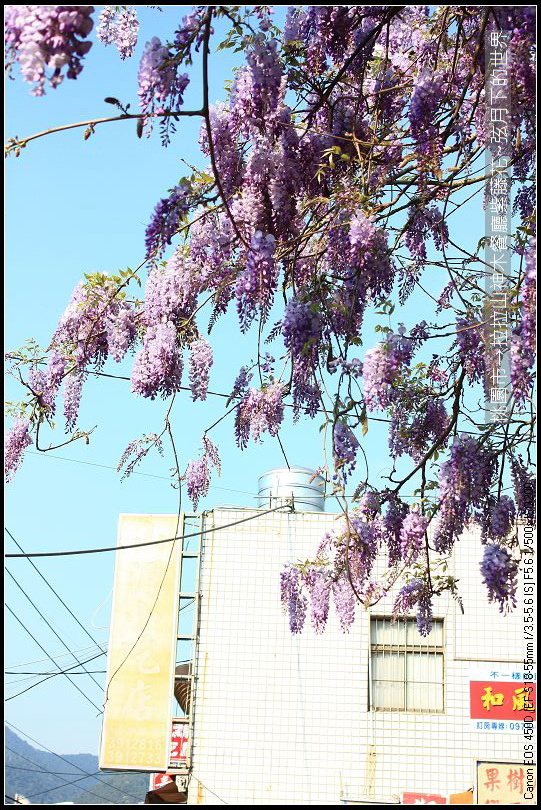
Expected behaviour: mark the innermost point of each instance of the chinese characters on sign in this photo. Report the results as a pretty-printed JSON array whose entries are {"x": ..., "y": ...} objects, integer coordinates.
[
  {"x": 141, "y": 659},
  {"x": 501, "y": 705},
  {"x": 158, "y": 780},
  {"x": 506, "y": 783},
  {"x": 180, "y": 737},
  {"x": 498, "y": 286}
]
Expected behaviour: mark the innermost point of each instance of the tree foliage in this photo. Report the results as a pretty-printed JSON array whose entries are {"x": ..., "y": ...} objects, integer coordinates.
[{"x": 345, "y": 145}]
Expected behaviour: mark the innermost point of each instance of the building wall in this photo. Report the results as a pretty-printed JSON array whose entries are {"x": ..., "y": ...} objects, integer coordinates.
[{"x": 284, "y": 719}]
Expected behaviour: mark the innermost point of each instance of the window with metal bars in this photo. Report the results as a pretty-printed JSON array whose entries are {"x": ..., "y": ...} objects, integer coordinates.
[{"x": 406, "y": 669}]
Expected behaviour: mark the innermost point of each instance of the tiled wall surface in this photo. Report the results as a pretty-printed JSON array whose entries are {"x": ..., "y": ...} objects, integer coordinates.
[{"x": 283, "y": 719}]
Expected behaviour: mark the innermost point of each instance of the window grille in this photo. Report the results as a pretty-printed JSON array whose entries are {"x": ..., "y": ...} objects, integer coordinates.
[{"x": 406, "y": 669}]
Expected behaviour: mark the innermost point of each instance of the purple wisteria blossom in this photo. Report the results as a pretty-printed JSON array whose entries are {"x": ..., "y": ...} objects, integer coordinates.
[
  {"x": 16, "y": 441},
  {"x": 425, "y": 100},
  {"x": 199, "y": 363},
  {"x": 256, "y": 285},
  {"x": 198, "y": 471},
  {"x": 259, "y": 410},
  {"x": 412, "y": 536},
  {"x": 502, "y": 517},
  {"x": 499, "y": 572},
  {"x": 161, "y": 87},
  {"x": 382, "y": 366},
  {"x": 345, "y": 447},
  {"x": 46, "y": 394},
  {"x": 391, "y": 529},
  {"x": 165, "y": 221},
  {"x": 523, "y": 341},
  {"x": 73, "y": 387},
  {"x": 464, "y": 483},
  {"x": 158, "y": 365},
  {"x": 428, "y": 425},
  {"x": 121, "y": 331},
  {"x": 119, "y": 26},
  {"x": 345, "y": 601},
  {"x": 229, "y": 159},
  {"x": 138, "y": 449},
  {"x": 293, "y": 600},
  {"x": 319, "y": 582},
  {"x": 256, "y": 93},
  {"x": 415, "y": 594},
  {"x": 302, "y": 328},
  {"x": 45, "y": 40},
  {"x": 471, "y": 348},
  {"x": 524, "y": 484},
  {"x": 242, "y": 381},
  {"x": 94, "y": 316},
  {"x": 370, "y": 255}
]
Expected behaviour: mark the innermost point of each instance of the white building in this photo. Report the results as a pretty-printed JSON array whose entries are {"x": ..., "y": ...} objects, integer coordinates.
[{"x": 376, "y": 715}]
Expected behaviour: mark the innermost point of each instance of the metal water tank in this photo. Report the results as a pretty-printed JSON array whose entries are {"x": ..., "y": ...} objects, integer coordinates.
[{"x": 306, "y": 487}]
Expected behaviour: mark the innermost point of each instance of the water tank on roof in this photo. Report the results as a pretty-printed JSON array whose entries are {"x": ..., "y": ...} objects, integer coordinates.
[{"x": 306, "y": 487}]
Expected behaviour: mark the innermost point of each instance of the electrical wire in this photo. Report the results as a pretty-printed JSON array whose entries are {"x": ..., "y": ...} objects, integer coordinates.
[
  {"x": 34, "y": 673},
  {"x": 72, "y": 614},
  {"x": 209, "y": 790},
  {"x": 149, "y": 543},
  {"x": 54, "y": 662},
  {"x": 36, "y": 770},
  {"x": 95, "y": 672},
  {"x": 56, "y": 655},
  {"x": 49, "y": 676},
  {"x": 71, "y": 764},
  {"x": 41, "y": 768},
  {"x": 53, "y": 773},
  {"x": 49, "y": 625},
  {"x": 45, "y": 454}
]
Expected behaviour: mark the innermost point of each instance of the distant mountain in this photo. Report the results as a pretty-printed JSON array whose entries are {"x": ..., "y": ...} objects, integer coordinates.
[{"x": 44, "y": 778}]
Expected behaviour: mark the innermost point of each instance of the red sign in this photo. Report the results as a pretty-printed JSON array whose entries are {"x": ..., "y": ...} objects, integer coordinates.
[
  {"x": 423, "y": 798},
  {"x": 179, "y": 742},
  {"x": 158, "y": 780},
  {"x": 502, "y": 700}
]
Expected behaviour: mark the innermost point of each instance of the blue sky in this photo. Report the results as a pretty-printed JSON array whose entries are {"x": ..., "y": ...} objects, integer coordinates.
[{"x": 74, "y": 207}]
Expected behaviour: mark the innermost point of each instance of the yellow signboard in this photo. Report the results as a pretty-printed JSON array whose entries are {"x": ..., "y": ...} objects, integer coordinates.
[
  {"x": 136, "y": 732},
  {"x": 506, "y": 783}
]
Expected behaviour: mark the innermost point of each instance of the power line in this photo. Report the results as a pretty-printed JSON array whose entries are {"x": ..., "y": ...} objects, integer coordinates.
[
  {"x": 56, "y": 655},
  {"x": 211, "y": 791},
  {"x": 71, "y": 764},
  {"x": 56, "y": 594},
  {"x": 45, "y": 454},
  {"x": 49, "y": 676},
  {"x": 49, "y": 625},
  {"x": 74, "y": 782},
  {"x": 54, "y": 773},
  {"x": 149, "y": 543},
  {"x": 54, "y": 662},
  {"x": 35, "y": 770},
  {"x": 33, "y": 672},
  {"x": 41, "y": 768},
  {"x": 95, "y": 671}
]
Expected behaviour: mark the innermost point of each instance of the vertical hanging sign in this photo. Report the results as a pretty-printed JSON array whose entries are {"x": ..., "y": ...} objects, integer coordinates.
[{"x": 136, "y": 732}]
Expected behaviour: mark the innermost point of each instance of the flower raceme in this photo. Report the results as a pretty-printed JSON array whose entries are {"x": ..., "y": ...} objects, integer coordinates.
[
  {"x": 47, "y": 39},
  {"x": 259, "y": 411}
]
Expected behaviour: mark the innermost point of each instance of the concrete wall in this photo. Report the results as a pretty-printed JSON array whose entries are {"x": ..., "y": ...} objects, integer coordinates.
[{"x": 282, "y": 719}]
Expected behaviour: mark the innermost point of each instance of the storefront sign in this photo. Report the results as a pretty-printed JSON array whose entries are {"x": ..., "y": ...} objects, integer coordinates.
[
  {"x": 506, "y": 783},
  {"x": 141, "y": 658}
]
